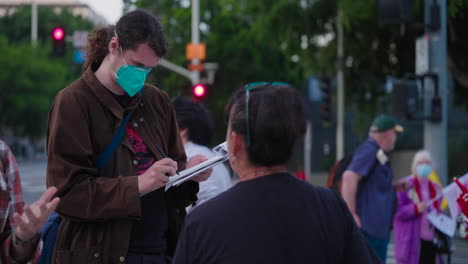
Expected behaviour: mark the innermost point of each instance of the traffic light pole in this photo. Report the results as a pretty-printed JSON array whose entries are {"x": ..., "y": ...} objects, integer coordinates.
[
  {"x": 34, "y": 22},
  {"x": 193, "y": 76},
  {"x": 195, "y": 36},
  {"x": 435, "y": 134},
  {"x": 178, "y": 69},
  {"x": 340, "y": 90}
]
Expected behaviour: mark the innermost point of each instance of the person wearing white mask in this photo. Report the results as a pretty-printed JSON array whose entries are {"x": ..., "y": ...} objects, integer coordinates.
[{"x": 413, "y": 233}]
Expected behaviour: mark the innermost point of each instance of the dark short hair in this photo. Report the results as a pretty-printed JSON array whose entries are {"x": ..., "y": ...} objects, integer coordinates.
[
  {"x": 277, "y": 118},
  {"x": 196, "y": 118},
  {"x": 134, "y": 28}
]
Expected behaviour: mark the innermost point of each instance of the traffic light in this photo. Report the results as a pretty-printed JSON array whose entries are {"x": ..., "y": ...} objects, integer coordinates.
[
  {"x": 199, "y": 91},
  {"x": 325, "y": 106},
  {"x": 405, "y": 98},
  {"x": 58, "y": 38}
]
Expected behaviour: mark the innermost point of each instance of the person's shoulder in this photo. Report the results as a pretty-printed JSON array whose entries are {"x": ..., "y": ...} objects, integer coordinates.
[
  {"x": 367, "y": 146},
  {"x": 4, "y": 150},
  {"x": 154, "y": 92},
  {"x": 73, "y": 91},
  {"x": 3, "y": 144},
  {"x": 325, "y": 193},
  {"x": 193, "y": 149},
  {"x": 219, "y": 204},
  {"x": 365, "y": 151},
  {"x": 156, "y": 97},
  {"x": 310, "y": 190},
  {"x": 327, "y": 202}
]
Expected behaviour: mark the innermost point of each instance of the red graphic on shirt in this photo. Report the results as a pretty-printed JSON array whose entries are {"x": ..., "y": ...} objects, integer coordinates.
[{"x": 143, "y": 155}]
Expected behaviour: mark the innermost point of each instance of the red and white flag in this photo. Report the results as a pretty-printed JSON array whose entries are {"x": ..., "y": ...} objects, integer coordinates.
[{"x": 451, "y": 193}]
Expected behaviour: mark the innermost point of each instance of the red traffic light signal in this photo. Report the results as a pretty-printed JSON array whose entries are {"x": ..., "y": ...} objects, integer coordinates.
[
  {"x": 58, "y": 33},
  {"x": 58, "y": 39},
  {"x": 199, "y": 90}
]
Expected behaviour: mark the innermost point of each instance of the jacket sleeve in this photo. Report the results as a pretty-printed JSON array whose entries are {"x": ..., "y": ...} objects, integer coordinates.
[
  {"x": 406, "y": 209},
  {"x": 70, "y": 168}
]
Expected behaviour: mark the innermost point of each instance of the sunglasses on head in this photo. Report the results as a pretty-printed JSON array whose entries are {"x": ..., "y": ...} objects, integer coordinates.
[{"x": 249, "y": 87}]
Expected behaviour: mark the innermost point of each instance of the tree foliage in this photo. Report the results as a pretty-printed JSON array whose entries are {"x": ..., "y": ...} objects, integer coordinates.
[
  {"x": 30, "y": 77},
  {"x": 27, "y": 86}
]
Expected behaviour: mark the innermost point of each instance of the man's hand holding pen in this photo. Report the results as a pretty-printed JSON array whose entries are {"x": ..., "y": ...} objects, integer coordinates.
[{"x": 156, "y": 175}]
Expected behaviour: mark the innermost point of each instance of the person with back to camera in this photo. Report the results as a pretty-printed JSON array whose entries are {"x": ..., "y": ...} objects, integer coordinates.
[
  {"x": 413, "y": 233},
  {"x": 20, "y": 224},
  {"x": 110, "y": 213},
  {"x": 270, "y": 216},
  {"x": 367, "y": 184},
  {"x": 196, "y": 130}
]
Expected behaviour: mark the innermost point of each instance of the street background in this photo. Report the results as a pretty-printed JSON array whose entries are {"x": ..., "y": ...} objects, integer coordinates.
[{"x": 352, "y": 60}]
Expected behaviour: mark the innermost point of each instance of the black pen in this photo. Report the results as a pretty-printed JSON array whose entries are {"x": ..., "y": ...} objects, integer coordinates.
[{"x": 165, "y": 156}]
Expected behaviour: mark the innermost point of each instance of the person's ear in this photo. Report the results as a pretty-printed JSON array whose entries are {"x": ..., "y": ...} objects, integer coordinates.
[
  {"x": 114, "y": 45},
  {"x": 184, "y": 135},
  {"x": 237, "y": 143}
]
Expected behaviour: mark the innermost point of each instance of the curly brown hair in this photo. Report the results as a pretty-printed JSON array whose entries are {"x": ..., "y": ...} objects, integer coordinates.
[{"x": 132, "y": 29}]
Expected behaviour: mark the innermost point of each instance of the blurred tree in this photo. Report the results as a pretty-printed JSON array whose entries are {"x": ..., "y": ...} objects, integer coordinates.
[
  {"x": 28, "y": 84},
  {"x": 30, "y": 79}
]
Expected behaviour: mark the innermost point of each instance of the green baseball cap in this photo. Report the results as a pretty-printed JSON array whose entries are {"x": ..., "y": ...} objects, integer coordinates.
[{"x": 383, "y": 123}]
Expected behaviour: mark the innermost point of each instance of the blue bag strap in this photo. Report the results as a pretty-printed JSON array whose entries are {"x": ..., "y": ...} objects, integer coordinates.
[
  {"x": 49, "y": 234},
  {"x": 107, "y": 153}
]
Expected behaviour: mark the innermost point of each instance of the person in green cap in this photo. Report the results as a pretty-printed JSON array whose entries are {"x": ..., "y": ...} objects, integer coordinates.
[{"x": 367, "y": 184}]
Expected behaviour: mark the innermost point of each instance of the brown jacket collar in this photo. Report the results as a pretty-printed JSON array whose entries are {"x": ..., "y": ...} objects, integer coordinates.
[{"x": 104, "y": 95}]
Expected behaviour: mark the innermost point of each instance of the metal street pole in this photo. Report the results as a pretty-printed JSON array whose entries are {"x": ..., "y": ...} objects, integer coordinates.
[
  {"x": 340, "y": 90},
  {"x": 196, "y": 35},
  {"x": 33, "y": 23},
  {"x": 435, "y": 134},
  {"x": 177, "y": 69}
]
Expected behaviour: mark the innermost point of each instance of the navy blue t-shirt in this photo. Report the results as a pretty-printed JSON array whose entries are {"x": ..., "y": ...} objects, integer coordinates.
[
  {"x": 375, "y": 194},
  {"x": 273, "y": 219}
]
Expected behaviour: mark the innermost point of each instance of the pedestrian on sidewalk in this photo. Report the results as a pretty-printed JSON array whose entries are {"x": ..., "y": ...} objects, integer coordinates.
[
  {"x": 367, "y": 184},
  {"x": 117, "y": 211},
  {"x": 196, "y": 130},
  {"x": 270, "y": 216},
  {"x": 413, "y": 233},
  {"x": 20, "y": 224}
]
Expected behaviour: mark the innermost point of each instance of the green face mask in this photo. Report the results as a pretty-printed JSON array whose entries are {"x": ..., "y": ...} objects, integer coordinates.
[{"x": 131, "y": 78}]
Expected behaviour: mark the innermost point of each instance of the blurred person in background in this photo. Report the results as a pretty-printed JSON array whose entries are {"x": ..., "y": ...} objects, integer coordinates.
[
  {"x": 20, "y": 224},
  {"x": 196, "y": 130},
  {"x": 118, "y": 213},
  {"x": 270, "y": 216},
  {"x": 367, "y": 184},
  {"x": 413, "y": 233}
]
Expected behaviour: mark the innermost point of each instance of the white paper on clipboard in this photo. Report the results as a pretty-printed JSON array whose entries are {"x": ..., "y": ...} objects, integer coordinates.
[{"x": 185, "y": 175}]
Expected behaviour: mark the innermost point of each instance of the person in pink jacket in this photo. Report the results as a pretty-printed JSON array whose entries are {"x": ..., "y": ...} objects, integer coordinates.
[{"x": 413, "y": 233}]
